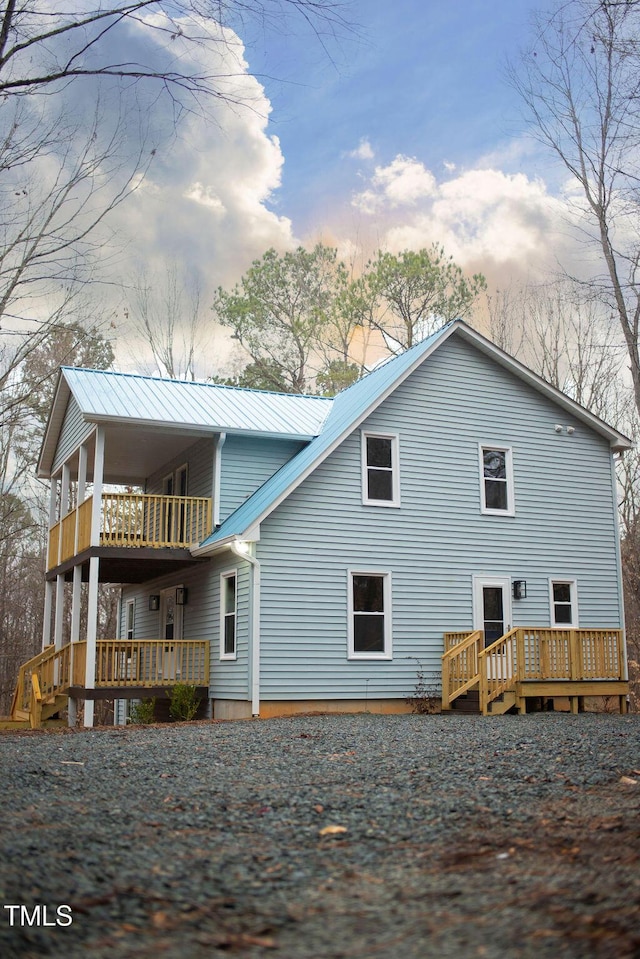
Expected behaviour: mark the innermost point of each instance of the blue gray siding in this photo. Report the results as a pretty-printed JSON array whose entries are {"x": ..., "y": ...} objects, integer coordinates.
[
  {"x": 199, "y": 461},
  {"x": 229, "y": 679},
  {"x": 75, "y": 430},
  {"x": 433, "y": 545},
  {"x": 247, "y": 462}
]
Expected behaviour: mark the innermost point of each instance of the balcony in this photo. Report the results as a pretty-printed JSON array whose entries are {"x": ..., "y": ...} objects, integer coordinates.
[{"x": 131, "y": 520}]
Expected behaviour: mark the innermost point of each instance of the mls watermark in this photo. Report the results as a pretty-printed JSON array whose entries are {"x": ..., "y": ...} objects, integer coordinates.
[{"x": 39, "y": 915}]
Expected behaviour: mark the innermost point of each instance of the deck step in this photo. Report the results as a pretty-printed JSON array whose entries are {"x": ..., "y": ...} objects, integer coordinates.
[
  {"x": 468, "y": 703},
  {"x": 502, "y": 705}
]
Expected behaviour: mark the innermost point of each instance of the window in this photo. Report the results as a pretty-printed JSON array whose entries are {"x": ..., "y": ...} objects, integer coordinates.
[
  {"x": 130, "y": 618},
  {"x": 228, "y": 615},
  {"x": 380, "y": 470},
  {"x": 563, "y": 595},
  {"x": 496, "y": 475},
  {"x": 369, "y": 615}
]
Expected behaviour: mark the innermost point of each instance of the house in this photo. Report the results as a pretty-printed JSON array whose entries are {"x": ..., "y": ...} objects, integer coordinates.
[{"x": 450, "y": 512}]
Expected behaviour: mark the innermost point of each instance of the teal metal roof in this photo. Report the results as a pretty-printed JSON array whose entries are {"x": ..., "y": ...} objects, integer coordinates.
[
  {"x": 104, "y": 396},
  {"x": 349, "y": 408}
]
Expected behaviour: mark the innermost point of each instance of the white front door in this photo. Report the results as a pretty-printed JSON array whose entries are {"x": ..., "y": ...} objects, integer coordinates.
[
  {"x": 171, "y": 629},
  {"x": 492, "y": 606}
]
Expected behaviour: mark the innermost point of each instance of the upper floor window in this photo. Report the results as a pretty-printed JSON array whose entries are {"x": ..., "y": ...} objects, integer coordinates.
[
  {"x": 380, "y": 470},
  {"x": 369, "y": 615},
  {"x": 496, "y": 480},
  {"x": 563, "y": 595}
]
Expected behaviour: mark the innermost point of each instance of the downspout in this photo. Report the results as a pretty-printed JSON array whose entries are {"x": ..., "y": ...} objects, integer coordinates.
[
  {"x": 217, "y": 473},
  {"x": 242, "y": 550}
]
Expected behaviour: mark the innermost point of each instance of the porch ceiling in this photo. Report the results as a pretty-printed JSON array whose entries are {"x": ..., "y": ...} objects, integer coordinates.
[{"x": 133, "y": 453}]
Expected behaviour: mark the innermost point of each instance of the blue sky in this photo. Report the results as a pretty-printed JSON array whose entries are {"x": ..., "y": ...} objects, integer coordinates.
[
  {"x": 398, "y": 134},
  {"x": 424, "y": 79}
]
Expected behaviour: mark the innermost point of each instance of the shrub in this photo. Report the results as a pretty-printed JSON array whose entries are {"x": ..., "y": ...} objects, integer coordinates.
[
  {"x": 184, "y": 702},
  {"x": 143, "y": 712},
  {"x": 426, "y": 696}
]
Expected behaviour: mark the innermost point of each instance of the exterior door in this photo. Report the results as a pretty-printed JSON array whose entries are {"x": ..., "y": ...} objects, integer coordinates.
[
  {"x": 171, "y": 629},
  {"x": 492, "y": 606}
]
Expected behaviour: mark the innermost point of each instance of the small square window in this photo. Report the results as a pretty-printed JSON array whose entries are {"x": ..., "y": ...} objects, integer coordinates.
[
  {"x": 380, "y": 470},
  {"x": 564, "y": 606}
]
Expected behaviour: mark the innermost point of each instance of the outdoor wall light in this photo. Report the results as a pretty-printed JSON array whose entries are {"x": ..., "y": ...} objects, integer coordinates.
[
  {"x": 242, "y": 546},
  {"x": 558, "y": 428},
  {"x": 181, "y": 596},
  {"x": 154, "y": 603},
  {"x": 519, "y": 589}
]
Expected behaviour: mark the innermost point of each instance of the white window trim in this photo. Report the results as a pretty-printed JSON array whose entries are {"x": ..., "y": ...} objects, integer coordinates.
[
  {"x": 511, "y": 504},
  {"x": 387, "y": 654},
  {"x": 573, "y": 587},
  {"x": 130, "y": 608},
  {"x": 395, "y": 468},
  {"x": 223, "y": 578}
]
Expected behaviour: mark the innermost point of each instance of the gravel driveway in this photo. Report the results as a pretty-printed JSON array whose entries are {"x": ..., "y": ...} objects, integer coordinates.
[{"x": 321, "y": 837}]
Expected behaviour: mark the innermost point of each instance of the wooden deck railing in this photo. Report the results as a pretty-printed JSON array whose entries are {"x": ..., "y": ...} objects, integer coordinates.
[
  {"x": 152, "y": 662},
  {"x": 459, "y": 665},
  {"x": 120, "y": 663},
  {"x": 51, "y": 668},
  {"x": 132, "y": 519},
  {"x": 529, "y": 654}
]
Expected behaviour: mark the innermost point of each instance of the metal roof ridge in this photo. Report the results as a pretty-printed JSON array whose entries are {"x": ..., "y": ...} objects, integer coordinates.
[{"x": 217, "y": 386}]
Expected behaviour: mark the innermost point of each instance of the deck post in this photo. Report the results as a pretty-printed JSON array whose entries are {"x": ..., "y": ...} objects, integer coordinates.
[
  {"x": 92, "y": 636},
  {"x": 48, "y": 609},
  {"x": 98, "y": 474}
]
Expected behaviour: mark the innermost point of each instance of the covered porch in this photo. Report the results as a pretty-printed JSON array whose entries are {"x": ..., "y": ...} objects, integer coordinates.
[
  {"x": 531, "y": 662},
  {"x": 124, "y": 669}
]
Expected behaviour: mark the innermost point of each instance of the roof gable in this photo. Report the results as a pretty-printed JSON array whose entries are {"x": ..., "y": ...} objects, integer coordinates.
[{"x": 353, "y": 405}]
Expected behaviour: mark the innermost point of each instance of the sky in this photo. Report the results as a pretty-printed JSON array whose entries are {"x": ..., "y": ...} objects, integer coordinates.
[{"x": 398, "y": 132}]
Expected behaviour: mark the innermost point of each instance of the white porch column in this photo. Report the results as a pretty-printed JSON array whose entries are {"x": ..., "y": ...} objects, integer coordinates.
[
  {"x": 48, "y": 586},
  {"x": 48, "y": 608},
  {"x": 98, "y": 478},
  {"x": 76, "y": 594},
  {"x": 92, "y": 636},
  {"x": 94, "y": 574},
  {"x": 58, "y": 619}
]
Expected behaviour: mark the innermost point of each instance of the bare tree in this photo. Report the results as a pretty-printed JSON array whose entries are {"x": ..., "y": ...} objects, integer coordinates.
[
  {"x": 165, "y": 312},
  {"x": 564, "y": 335},
  {"x": 580, "y": 84}
]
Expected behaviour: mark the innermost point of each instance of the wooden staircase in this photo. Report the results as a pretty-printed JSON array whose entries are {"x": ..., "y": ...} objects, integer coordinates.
[
  {"x": 532, "y": 663},
  {"x": 41, "y": 690}
]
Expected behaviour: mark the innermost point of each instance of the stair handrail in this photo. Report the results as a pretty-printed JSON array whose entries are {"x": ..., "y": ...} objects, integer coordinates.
[
  {"x": 22, "y": 697},
  {"x": 502, "y": 657},
  {"x": 460, "y": 668}
]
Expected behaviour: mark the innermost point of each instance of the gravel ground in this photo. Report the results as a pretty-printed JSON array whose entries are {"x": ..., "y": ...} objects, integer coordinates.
[{"x": 321, "y": 837}]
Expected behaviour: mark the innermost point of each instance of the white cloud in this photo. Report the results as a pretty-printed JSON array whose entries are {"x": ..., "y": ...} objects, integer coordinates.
[
  {"x": 205, "y": 201},
  {"x": 364, "y": 151},
  {"x": 484, "y": 217},
  {"x": 403, "y": 182}
]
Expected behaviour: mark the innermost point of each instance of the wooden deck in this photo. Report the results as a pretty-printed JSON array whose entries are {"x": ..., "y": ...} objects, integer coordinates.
[
  {"x": 534, "y": 663},
  {"x": 131, "y": 520},
  {"x": 124, "y": 669}
]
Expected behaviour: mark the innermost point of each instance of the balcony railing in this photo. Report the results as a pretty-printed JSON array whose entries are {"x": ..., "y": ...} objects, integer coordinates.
[
  {"x": 121, "y": 664},
  {"x": 132, "y": 519}
]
